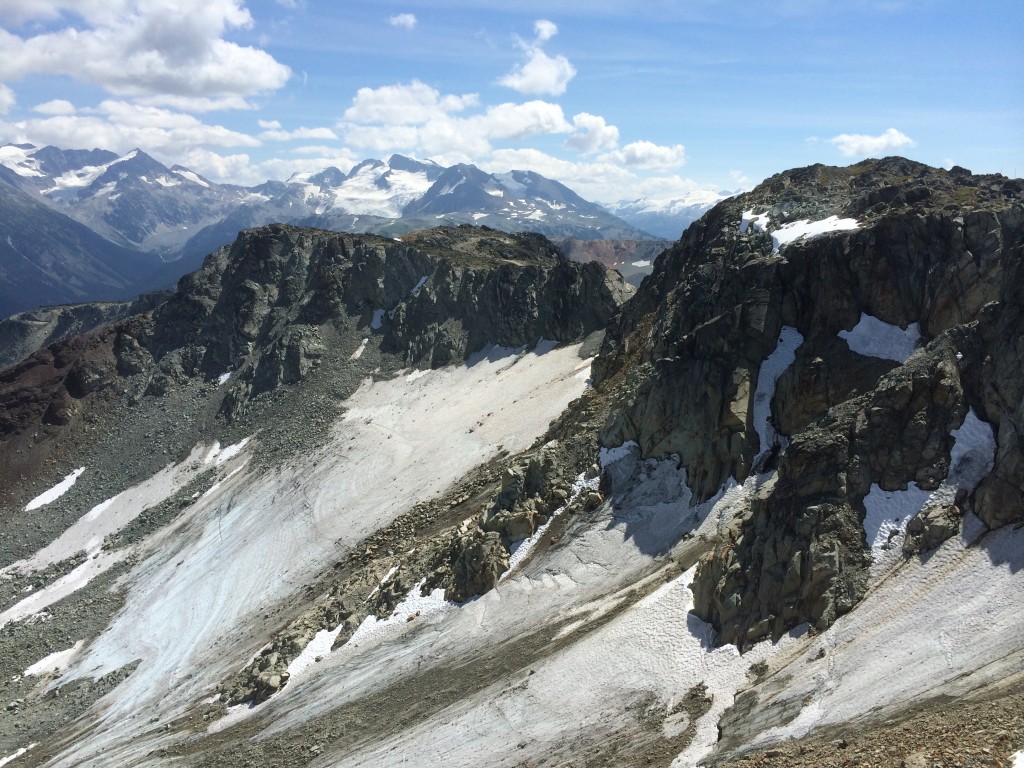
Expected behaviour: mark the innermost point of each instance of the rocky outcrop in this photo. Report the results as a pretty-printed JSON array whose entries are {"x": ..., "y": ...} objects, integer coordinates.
[
  {"x": 268, "y": 308},
  {"x": 693, "y": 352},
  {"x": 25, "y": 333}
]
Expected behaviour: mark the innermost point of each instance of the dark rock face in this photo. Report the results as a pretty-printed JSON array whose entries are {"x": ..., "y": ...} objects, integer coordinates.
[
  {"x": 264, "y": 307},
  {"x": 940, "y": 249}
]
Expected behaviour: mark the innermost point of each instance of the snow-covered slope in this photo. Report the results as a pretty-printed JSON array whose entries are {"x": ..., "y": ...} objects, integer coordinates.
[{"x": 770, "y": 502}]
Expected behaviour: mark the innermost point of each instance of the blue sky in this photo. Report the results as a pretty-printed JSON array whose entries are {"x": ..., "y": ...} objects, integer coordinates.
[{"x": 616, "y": 99}]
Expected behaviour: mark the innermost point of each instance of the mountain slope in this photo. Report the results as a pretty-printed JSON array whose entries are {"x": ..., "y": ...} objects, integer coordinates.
[
  {"x": 782, "y": 500},
  {"x": 46, "y": 257}
]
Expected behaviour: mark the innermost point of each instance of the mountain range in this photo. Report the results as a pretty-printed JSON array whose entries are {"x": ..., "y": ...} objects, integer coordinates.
[
  {"x": 133, "y": 224},
  {"x": 455, "y": 499}
]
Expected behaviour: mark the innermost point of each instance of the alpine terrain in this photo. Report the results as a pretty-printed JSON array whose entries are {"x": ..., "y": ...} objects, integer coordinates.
[
  {"x": 456, "y": 499},
  {"x": 91, "y": 225}
]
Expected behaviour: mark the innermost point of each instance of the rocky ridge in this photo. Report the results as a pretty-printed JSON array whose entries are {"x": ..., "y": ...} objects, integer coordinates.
[
  {"x": 920, "y": 246},
  {"x": 276, "y": 331}
]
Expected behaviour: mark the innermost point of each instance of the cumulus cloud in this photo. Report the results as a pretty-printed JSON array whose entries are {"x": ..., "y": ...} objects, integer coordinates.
[
  {"x": 592, "y": 134},
  {"x": 121, "y": 126},
  {"x": 646, "y": 154},
  {"x": 145, "y": 48},
  {"x": 600, "y": 180},
  {"x": 55, "y": 107},
  {"x": 540, "y": 73},
  {"x": 275, "y": 132},
  {"x": 7, "y": 99},
  {"x": 864, "y": 145},
  {"x": 406, "y": 20},
  {"x": 405, "y": 104},
  {"x": 417, "y": 118}
]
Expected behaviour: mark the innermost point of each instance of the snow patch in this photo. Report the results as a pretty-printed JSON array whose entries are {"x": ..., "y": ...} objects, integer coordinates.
[
  {"x": 973, "y": 454},
  {"x": 16, "y": 755},
  {"x": 317, "y": 648},
  {"x": 374, "y": 631},
  {"x": 872, "y": 337},
  {"x": 359, "y": 350},
  {"x": 56, "y": 492},
  {"x": 773, "y": 366},
  {"x": 223, "y": 378},
  {"x": 378, "y": 319},
  {"x": 806, "y": 229},
  {"x": 887, "y": 514},
  {"x": 218, "y": 456},
  {"x": 193, "y": 177},
  {"x": 759, "y": 221},
  {"x": 55, "y": 662},
  {"x": 642, "y": 263}
]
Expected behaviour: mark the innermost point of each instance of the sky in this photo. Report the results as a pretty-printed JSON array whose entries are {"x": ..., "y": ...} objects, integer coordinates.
[{"x": 617, "y": 100}]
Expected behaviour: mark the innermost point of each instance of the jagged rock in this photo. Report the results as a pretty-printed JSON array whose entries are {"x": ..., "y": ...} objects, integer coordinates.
[
  {"x": 935, "y": 248},
  {"x": 931, "y": 527},
  {"x": 480, "y": 559}
]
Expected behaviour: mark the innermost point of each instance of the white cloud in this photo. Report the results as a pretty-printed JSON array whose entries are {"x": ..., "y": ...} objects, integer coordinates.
[
  {"x": 516, "y": 121},
  {"x": 599, "y": 180},
  {"x": 417, "y": 118},
  {"x": 55, "y": 107},
  {"x": 406, "y": 104},
  {"x": 146, "y": 48},
  {"x": 646, "y": 154},
  {"x": 544, "y": 30},
  {"x": 592, "y": 134},
  {"x": 277, "y": 134},
  {"x": 540, "y": 73},
  {"x": 863, "y": 145},
  {"x": 121, "y": 126},
  {"x": 406, "y": 20},
  {"x": 7, "y": 99}
]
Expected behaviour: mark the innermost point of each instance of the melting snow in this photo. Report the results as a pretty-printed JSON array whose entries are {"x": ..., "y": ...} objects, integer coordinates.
[
  {"x": 872, "y": 337},
  {"x": 223, "y": 378},
  {"x": 888, "y": 512},
  {"x": 758, "y": 221},
  {"x": 194, "y": 178},
  {"x": 795, "y": 230},
  {"x": 57, "y": 661},
  {"x": 973, "y": 454},
  {"x": 56, "y": 492},
  {"x": 20, "y": 161},
  {"x": 773, "y": 366},
  {"x": 787, "y": 233},
  {"x": 359, "y": 350},
  {"x": 219, "y": 455},
  {"x": 16, "y": 755}
]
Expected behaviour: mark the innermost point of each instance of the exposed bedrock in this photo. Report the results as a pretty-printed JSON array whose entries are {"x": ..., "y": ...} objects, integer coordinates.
[{"x": 930, "y": 256}]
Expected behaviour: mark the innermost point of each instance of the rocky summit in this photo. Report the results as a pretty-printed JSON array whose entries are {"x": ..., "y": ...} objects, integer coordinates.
[{"x": 456, "y": 499}]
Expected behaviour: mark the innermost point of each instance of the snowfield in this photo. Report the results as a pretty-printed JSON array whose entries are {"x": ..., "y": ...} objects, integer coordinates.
[
  {"x": 588, "y": 640},
  {"x": 195, "y": 603}
]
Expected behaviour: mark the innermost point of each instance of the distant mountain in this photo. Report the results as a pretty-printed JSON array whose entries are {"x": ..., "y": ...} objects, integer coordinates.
[
  {"x": 134, "y": 203},
  {"x": 667, "y": 218},
  {"x": 49, "y": 258},
  {"x": 132, "y": 200}
]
